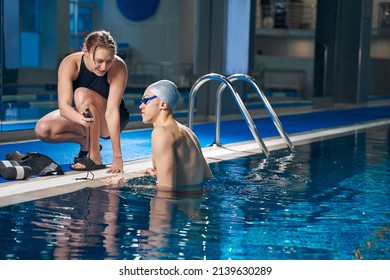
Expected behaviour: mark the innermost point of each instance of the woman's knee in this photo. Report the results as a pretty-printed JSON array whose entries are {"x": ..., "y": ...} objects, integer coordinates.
[
  {"x": 82, "y": 98},
  {"x": 43, "y": 129}
]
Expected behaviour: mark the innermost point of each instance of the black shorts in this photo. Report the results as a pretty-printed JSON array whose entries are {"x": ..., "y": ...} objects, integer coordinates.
[{"x": 124, "y": 119}]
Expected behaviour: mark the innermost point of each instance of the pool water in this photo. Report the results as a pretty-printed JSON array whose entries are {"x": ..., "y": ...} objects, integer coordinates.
[{"x": 329, "y": 200}]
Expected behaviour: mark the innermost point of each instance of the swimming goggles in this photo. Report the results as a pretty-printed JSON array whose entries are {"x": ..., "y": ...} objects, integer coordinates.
[{"x": 146, "y": 100}]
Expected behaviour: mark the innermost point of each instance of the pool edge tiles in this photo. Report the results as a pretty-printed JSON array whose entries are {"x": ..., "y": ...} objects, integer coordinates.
[
  {"x": 41, "y": 187},
  {"x": 246, "y": 148}
]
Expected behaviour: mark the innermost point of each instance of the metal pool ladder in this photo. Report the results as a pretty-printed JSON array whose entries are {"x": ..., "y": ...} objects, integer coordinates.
[{"x": 227, "y": 83}]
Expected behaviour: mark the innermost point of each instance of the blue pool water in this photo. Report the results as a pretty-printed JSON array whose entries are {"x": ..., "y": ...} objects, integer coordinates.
[{"x": 329, "y": 200}]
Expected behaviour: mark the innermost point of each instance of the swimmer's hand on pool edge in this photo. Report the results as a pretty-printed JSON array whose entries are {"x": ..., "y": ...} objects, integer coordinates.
[
  {"x": 150, "y": 171},
  {"x": 115, "y": 181}
]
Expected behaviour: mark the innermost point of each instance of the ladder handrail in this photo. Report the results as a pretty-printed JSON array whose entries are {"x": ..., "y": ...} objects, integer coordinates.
[
  {"x": 237, "y": 98},
  {"x": 274, "y": 117}
]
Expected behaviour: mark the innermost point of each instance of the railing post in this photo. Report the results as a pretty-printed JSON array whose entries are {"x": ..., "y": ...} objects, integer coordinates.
[
  {"x": 237, "y": 98},
  {"x": 274, "y": 117}
]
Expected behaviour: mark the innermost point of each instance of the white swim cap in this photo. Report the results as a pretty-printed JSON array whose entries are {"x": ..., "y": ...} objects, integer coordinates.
[{"x": 167, "y": 91}]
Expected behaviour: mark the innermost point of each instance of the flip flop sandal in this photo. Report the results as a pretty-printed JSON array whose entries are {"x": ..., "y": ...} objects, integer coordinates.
[
  {"x": 83, "y": 154},
  {"x": 89, "y": 165}
]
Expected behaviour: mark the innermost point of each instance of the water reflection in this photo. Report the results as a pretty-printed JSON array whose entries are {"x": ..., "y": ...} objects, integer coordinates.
[
  {"x": 76, "y": 227},
  {"x": 171, "y": 218},
  {"x": 132, "y": 222}
]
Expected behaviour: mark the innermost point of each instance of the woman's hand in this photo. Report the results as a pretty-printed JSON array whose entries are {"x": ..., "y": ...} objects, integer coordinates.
[
  {"x": 117, "y": 166},
  {"x": 85, "y": 121}
]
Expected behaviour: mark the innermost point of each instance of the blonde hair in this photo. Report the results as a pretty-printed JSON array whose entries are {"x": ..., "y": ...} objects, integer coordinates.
[{"x": 99, "y": 39}]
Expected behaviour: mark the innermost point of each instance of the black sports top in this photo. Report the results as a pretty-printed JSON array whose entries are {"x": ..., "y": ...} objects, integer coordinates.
[{"x": 91, "y": 81}]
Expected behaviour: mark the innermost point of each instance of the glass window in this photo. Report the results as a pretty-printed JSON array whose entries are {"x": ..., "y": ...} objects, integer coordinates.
[
  {"x": 29, "y": 15},
  {"x": 29, "y": 33},
  {"x": 81, "y": 22}
]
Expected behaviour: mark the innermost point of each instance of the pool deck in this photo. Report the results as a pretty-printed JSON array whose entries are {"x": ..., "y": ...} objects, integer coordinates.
[{"x": 302, "y": 128}]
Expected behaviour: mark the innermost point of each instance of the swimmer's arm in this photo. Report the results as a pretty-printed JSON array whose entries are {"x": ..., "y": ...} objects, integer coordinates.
[
  {"x": 117, "y": 77},
  {"x": 67, "y": 73},
  {"x": 163, "y": 151}
]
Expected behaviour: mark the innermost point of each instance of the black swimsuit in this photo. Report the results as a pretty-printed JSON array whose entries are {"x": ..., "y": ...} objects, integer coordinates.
[{"x": 91, "y": 81}]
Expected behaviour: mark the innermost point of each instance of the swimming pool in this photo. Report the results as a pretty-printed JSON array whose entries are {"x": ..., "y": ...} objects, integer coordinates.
[{"x": 328, "y": 200}]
